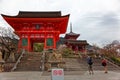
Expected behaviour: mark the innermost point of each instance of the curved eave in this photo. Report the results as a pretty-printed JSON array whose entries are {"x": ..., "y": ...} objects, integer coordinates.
[
  {"x": 33, "y": 17},
  {"x": 63, "y": 21},
  {"x": 67, "y": 36},
  {"x": 80, "y": 42}
]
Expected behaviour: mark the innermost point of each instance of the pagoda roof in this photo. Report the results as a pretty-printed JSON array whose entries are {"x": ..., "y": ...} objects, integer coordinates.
[
  {"x": 29, "y": 14},
  {"x": 71, "y": 34},
  {"x": 82, "y": 42}
]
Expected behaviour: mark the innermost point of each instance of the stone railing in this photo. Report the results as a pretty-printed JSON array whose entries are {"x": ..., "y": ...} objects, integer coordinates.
[
  {"x": 113, "y": 62},
  {"x": 18, "y": 61},
  {"x": 42, "y": 61}
]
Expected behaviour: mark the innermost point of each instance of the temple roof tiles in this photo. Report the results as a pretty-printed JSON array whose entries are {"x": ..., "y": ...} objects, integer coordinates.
[
  {"x": 29, "y": 14},
  {"x": 77, "y": 41},
  {"x": 72, "y": 33}
]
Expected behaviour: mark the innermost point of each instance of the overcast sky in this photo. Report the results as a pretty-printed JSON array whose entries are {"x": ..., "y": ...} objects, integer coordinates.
[{"x": 98, "y": 21}]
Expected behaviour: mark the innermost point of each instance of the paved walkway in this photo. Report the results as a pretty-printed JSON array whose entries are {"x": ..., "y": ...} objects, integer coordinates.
[{"x": 98, "y": 75}]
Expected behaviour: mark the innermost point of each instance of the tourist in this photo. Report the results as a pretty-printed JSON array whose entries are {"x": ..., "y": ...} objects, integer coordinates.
[
  {"x": 90, "y": 63},
  {"x": 104, "y": 64}
]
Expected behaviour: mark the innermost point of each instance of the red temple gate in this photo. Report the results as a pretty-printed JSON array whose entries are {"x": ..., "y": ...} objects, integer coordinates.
[{"x": 41, "y": 27}]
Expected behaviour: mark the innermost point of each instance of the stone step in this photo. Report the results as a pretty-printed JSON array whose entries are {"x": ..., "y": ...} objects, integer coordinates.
[
  {"x": 30, "y": 62},
  {"x": 28, "y": 69},
  {"x": 75, "y": 69}
]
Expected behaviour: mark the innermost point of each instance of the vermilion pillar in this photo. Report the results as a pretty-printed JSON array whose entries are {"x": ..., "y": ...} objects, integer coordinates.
[
  {"x": 19, "y": 43},
  {"x": 29, "y": 43},
  {"x": 54, "y": 46},
  {"x": 45, "y": 41}
]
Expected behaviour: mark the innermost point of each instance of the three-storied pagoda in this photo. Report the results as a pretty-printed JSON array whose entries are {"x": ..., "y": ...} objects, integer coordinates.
[
  {"x": 72, "y": 42},
  {"x": 42, "y": 27}
]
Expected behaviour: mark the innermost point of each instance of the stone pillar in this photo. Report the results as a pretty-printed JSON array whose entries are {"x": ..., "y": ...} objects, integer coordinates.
[
  {"x": 1, "y": 62},
  {"x": 12, "y": 57},
  {"x": 1, "y": 56}
]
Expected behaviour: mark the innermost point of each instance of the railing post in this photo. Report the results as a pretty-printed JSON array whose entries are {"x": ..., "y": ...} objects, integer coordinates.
[{"x": 43, "y": 60}]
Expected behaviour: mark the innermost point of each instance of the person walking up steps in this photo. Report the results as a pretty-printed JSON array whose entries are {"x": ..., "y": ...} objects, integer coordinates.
[
  {"x": 104, "y": 64},
  {"x": 90, "y": 63}
]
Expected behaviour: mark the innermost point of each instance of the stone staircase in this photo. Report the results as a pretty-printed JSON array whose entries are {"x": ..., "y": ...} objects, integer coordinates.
[
  {"x": 30, "y": 62},
  {"x": 77, "y": 66},
  {"x": 73, "y": 64}
]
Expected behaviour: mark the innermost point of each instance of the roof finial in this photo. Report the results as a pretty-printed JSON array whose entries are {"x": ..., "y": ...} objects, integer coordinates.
[{"x": 70, "y": 27}]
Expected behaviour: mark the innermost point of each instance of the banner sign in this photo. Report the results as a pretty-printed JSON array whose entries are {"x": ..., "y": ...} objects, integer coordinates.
[{"x": 57, "y": 74}]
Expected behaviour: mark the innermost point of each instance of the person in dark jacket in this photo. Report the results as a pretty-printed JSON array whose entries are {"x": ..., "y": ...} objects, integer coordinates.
[{"x": 90, "y": 63}]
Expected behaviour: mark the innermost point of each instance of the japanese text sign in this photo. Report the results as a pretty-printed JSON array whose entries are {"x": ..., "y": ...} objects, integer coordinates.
[{"x": 57, "y": 74}]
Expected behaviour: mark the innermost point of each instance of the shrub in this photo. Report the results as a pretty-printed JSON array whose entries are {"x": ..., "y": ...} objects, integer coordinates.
[
  {"x": 67, "y": 52},
  {"x": 116, "y": 60}
]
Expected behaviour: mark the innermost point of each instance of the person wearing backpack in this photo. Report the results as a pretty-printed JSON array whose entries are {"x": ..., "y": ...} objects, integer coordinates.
[
  {"x": 90, "y": 63},
  {"x": 104, "y": 64}
]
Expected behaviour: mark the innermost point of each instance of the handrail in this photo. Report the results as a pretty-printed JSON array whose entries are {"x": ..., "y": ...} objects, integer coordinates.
[
  {"x": 112, "y": 62},
  {"x": 43, "y": 61},
  {"x": 23, "y": 51}
]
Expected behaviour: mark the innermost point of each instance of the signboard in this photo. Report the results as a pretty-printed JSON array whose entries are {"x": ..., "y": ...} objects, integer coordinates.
[{"x": 57, "y": 74}]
